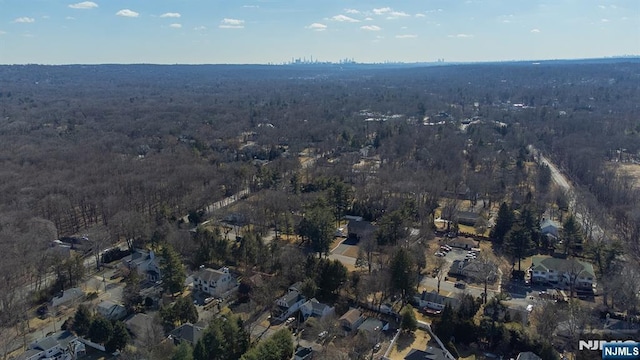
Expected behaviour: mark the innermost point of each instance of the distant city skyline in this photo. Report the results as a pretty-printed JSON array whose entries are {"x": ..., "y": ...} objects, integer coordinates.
[{"x": 277, "y": 31}]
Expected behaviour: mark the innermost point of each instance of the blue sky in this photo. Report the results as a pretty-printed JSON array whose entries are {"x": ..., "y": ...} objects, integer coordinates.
[{"x": 274, "y": 31}]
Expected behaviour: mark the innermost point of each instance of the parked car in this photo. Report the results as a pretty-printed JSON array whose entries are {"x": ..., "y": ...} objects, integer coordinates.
[
  {"x": 290, "y": 320},
  {"x": 460, "y": 285},
  {"x": 377, "y": 347},
  {"x": 445, "y": 249},
  {"x": 440, "y": 254},
  {"x": 323, "y": 335}
]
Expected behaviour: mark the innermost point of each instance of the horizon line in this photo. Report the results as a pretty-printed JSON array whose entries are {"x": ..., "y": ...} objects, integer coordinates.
[{"x": 317, "y": 62}]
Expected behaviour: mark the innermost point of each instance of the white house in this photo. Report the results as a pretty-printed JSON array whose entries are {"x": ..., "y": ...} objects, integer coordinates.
[
  {"x": 288, "y": 304},
  {"x": 111, "y": 311},
  {"x": 58, "y": 346},
  {"x": 562, "y": 272},
  {"x": 213, "y": 282},
  {"x": 69, "y": 296},
  {"x": 435, "y": 301},
  {"x": 145, "y": 263},
  {"x": 314, "y": 308}
]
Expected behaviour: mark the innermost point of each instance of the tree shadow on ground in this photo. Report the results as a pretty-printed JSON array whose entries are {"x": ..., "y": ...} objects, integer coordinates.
[{"x": 404, "y": 341}]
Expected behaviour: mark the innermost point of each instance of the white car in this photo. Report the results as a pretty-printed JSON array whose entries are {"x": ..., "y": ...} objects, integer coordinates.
[
  {"x": 440, "y": 254},
  {"x": 290, "y": 321},
  {"x": 323, "y": 334}
]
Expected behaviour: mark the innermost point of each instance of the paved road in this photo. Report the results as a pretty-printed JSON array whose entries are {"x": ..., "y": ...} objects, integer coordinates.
[{"x": 565, "y": 184}]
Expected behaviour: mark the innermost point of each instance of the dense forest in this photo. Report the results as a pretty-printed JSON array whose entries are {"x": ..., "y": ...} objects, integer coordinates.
[{"x": 140, "y": 152}]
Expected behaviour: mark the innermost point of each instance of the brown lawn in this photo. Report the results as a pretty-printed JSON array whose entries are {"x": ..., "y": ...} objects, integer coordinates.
[{"x": 418, "y": 340}]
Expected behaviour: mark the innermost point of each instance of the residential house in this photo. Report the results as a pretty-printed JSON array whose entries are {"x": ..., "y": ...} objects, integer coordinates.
[
  {"x": 470, "y": 268},
  {"x": 213, "y": 282},
  {"x": 187, "y": 332},
  {"x": 145, "y": 263},
  {"x": 30, "y": 354},
  {"x": 473, "y": 269},
  {"x": 59, "y": 346},
  {"x": 59, "y": 249},
  {"x": 314, "y": 308},
  {"x": 360, "y": 229},
  {"x": 111, "y": 311},
  {"x": 468, "y": 218},
  {"x": 303, "y": 353},
  {"x": 464, "y": 243},
  {"x": 435, "y": 301},
  {"x": 515, "y": 314},
  {"x": 373, "y": 326},
  {"x": 563, "y": 272},
  {"x": 288, "y": 304},
  {"x": 430, "y": 353},
  {"x": 69, "y": 296},
  {"x": 549, "y": 228},
  {"x": 139, "y": 324},
  {"x": 528, "y": 356},
  {"x": 351, "y": 320}
]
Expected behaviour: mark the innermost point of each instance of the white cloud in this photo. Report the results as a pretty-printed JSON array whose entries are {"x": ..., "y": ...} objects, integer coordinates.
[
  {"x": 251, "y": 6},
  {"x": 200, "y": 28},
  {"x": 69, "y": 18},
  {"x": 381, "y": 11},
  {"x": 24, "y": 20},
  {"x": 2, "y": 32},
  {"x": 317, "y": 27},
  {"x": 170, "y": 15},
  {"x": 407, "y": 36},
  {"x": 176, "y": 26},
  {"x": 351, "y": 11},
  {"x": 420, "y": 15},
  {"x": 371, "y": 28},
  {"x": 461, "y": 36},
  {"x": 368, "y": 19},
  {"x": 127, "y": 13},
  {"x": 535, "y": 31},
  {"x": 231, "y": 24},
  {"x": 604, "y": 20},
  {"x": 84, "y": 5},
  {"x": 397, "y": 14},
  {"x": 344, "y": 18}
]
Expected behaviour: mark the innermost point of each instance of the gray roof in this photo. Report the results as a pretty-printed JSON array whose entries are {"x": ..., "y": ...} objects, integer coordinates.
[
  {"x": 371, "y": 325},
  {"x": 291, "y": 298},
  {"x": 137, "y": 323},
  {"x": 360, "y": 228},
  {"x": 67, "y": 296},
  {"x": 188, "y": 332},
  {"x": 431, "y": 353},
  {"x": 60, "y": 338},
  {"x": 434, "y": 297},
  {"x": 549, "y": 227},
  {"x": 28, "y": 354},
  {"x": 209, "y": 275},
  {"x": 528, "y": 356}
]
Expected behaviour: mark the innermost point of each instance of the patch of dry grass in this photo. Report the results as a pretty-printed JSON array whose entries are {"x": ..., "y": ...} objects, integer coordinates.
[{"x": 418, "y": 340}]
